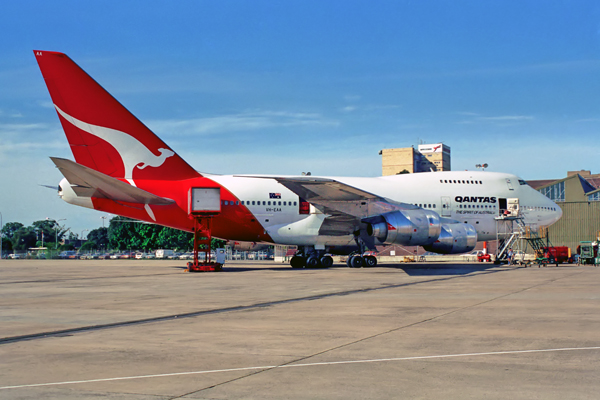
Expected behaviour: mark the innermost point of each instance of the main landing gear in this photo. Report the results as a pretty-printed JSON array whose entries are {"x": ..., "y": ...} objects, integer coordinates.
[
  {"x": 362, "y": 258},
  {"x": 358, "y": 261},
  {"x": 308, "y": 257},
  {"x": 312, "y": 261}
]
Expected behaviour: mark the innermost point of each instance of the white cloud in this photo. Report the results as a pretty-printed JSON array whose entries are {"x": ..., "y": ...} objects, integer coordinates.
[
  {"x": 477, "y": 118},
  {"x": 7, "y": 147},
  {"x": 467, "y": 113},
  {"x": 352, "y": 97},
  {"x": 250, "y": 120},
  {"x": 508, "y": 118}
]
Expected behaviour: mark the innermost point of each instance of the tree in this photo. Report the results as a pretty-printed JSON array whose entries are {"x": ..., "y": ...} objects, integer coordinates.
[
  {"x": 51, "y": 231},
  {"x": 87, "y": 246},
  {"x": 47, "y": 227},
  {"x": 170, "y": 238},
  {"x": 149, "y": 235},
  {"x": 6, "y": 244},
  {"x": 9, "y": 229},
  {"x": 120, "y": 233},
  {"x": 66, "y": 246},
  {"x": 98, "y": 239},
  {"x": 23, "y": 238},
  {"x": 72, "y": 237}
]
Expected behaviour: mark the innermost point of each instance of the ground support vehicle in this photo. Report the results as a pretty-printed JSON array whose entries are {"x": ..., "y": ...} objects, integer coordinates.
[
  {"x": 553, "y": 255},
  {"x": 484, "y": 257},
  {"x": 587, "y": 253}
]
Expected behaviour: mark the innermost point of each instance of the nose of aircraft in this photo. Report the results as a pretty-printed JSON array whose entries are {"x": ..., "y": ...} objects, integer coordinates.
[{"x": 556, "y": 213}]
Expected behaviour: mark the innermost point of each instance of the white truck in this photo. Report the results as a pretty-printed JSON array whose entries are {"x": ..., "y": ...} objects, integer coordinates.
[{"x": 162, "y": 253}]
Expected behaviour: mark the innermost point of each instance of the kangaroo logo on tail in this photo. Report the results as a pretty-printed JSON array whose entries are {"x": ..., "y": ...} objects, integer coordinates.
[{"x": 133, "y": 152}]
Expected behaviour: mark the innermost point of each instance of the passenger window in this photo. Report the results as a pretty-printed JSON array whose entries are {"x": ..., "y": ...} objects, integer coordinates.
[
  {"x": 279, "y": 203},
  {"x": 294, "y": 203},
  {"x": 253, "y": 202},
  {"x": 268, "y": 203},
  {"x": 264, "y": 203}
]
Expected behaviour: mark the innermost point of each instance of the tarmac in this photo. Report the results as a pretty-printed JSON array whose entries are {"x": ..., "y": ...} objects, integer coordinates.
[{"x": 146, "y": 329}]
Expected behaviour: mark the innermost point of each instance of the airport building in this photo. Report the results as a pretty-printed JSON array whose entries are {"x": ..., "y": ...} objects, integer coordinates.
[
  {"x": 426, "y": 158},
  {"x": 578, "y": 196}
]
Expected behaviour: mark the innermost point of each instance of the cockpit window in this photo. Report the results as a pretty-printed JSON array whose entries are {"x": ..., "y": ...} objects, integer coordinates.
[{"x": 522, "y": 182}]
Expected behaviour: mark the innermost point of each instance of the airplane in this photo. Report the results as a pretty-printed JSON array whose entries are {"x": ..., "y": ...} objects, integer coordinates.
[{"x": 122, "y": 167}]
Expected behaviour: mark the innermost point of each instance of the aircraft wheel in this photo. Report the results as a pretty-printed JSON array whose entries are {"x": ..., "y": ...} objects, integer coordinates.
[
  {"x": 371, "y": 261},
  {"x": 326, "y": 261},
  {"x": 298, "y": 262},
  {"x": 313, "y": 262},
  {"x": 356, "y": 262}
]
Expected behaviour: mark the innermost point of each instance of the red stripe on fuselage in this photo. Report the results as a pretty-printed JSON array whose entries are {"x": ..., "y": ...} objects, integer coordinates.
[{"x": 235, "y": 222}]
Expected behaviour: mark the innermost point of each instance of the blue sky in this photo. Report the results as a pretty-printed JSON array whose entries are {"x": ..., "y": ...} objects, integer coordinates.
[{"x": 291, "y": 86}]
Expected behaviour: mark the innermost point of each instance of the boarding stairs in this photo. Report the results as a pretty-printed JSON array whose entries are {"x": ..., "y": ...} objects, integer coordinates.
[
  {"x": 507, "y": 239},
  {"x": 512, "y": 232}
]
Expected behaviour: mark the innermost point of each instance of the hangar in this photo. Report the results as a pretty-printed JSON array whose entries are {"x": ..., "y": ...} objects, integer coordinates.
[{"x": 578, "y": 195}]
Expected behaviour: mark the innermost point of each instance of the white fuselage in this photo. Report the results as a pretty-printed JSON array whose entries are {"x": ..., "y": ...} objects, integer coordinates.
[{"x": 472, "y": 197}]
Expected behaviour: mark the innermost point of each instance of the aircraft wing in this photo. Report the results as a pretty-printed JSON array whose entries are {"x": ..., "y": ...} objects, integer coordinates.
[
  {"x": 315, "y": 189},
  {"x": 87, "y": 182},
  {"x": 344, "y": 204}
]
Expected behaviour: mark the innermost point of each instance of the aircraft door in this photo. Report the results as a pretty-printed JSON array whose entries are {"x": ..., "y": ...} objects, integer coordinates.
[
  {"x": 509, "y": 184},
  {"x": 513, "y": 207},
  {"x": 501, "y": 206},
  {"x": 446, "y": 210}
]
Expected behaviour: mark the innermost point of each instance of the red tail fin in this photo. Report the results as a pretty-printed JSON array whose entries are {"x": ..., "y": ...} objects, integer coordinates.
[{"x": 103, "y": 134}]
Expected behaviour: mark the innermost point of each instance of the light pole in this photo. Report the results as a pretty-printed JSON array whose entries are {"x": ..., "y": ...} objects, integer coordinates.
[
  {"x": 103, "y": 218},
  {"x": 56, "y": 230}
]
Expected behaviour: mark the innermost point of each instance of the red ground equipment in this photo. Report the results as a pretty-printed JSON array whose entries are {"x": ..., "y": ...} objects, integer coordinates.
[
  {"x": 204, "y": 203},
  {"x": 556, "y": 254},
  {"x": 484, "y": 256}
]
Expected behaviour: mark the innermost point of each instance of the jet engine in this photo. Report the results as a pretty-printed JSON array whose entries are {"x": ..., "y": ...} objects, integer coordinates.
[
  {"x": 409, "y": 227},
  {"x": 454, "y": 239}
]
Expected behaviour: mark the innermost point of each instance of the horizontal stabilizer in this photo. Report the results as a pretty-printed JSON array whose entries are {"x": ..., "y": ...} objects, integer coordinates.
[{"x": 87, "y": 182}]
